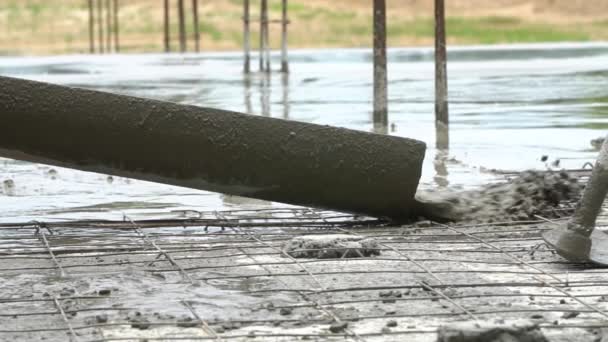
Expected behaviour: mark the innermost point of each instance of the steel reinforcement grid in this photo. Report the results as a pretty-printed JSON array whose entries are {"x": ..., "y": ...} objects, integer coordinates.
[{"x": 224, "y": 275}]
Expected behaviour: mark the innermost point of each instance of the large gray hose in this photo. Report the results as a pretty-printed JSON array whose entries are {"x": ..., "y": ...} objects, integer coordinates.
[{"x": 210, "y": 149}]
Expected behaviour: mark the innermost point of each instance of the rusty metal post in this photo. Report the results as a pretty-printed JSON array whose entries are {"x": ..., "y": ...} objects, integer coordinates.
[
  {"x": 284, "y": 23},
  {"x": 253, "y": 156},
  {"x": 166, "y": 22},
  {"x": 116, "y": 28},
  {"x": 100, "y": 25},
  {"x": 246, "y": 38},
  {"x": 109, "y": 25},
  {"x": 441, "y": 82},
  {"x": 262, "y": 55},
  {"x": 182, "y": 26},
  {"x": 266, "y": 24},
  {"x": 380, "y": 77},
  {"x": 197, "y": 34},
  {"x": 91, "y": 27}
]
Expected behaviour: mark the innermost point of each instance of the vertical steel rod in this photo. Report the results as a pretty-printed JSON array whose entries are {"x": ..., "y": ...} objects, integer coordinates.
[
  {"x": 584, "y": 218},
  {"x": 197, "y": 34},
  {"x": 100, "y": 25},
  {"x": 166, "y": 24},
  {"x": 262, "y": 2},
  {"x": 576, "y": 240},
  {"x": 109, "y": 25},
  {"x": 91, "y": 27},
  {"x": 246, "y": 38},
  {"x": 182, "y": 26},
  {"x": 116, "y": 28},
  {"x": 265, "y": 22},
  {"x": 380, "y": 77},
  {"x": 441, "y": 82},
  {"x": 284, "y": 23}
]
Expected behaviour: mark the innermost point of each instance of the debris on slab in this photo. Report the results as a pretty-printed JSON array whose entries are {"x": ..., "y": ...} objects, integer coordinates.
[
  {"x": 519, "y": 330},
  {"x": 338, "y": 327},
  {"x": 332, "y": 246}
]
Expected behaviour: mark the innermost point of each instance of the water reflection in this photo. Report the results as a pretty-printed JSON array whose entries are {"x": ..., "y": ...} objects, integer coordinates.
[
  {"x": 264, "y": 87},
  {"x": 238, "y": 201},
  {"x": 285, "y": 100},
  {"x": 380, "y": 127},
  {"x": 247, "y": 92},
  {"x": 265, "y": 84},
  {"x": 441, "y": 170},
  {"x": 442, "y": 145}
]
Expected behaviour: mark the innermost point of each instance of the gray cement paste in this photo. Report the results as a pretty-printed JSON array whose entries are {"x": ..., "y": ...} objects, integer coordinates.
[
  {"x": 331, "y": 246},
  {"x": 520, "y": 331},
  {"x": 530, "y": 193}
]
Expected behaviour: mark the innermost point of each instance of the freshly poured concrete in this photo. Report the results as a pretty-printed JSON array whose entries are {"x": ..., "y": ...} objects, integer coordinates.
[{"x": 241, "y": 285}]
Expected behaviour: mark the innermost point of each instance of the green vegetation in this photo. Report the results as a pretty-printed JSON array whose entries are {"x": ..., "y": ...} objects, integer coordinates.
[
  {"x": 210, "y": 29},
  {"x": 488, "y": 30},
  {"x": 53, "y": 26},
  {"x": 493, "y": 30}
]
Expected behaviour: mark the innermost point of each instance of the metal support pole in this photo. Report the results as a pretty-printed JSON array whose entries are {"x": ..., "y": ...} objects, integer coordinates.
[
  {"x": 109, "y": 25},
  {"x": 197, "y": 34},
  {"x": 91, "y": 27},
  {"x": 100, "y": 25},
  {"x": 441, "y": 82},
  {"x": 182, "y": 26},
  {"x": 380, "y": 77},
  {"x": 262, "y": 55},
  {"x": 246, "y": 38},
  {"x": 166, "y": 24},
  {"x": 116, "y": 28},
  {"x": 577, "y": 240},
  {"x": 284, "y": 23},
  {"x": 266, "y": 23},
  {"x": 583, "y": 221}
]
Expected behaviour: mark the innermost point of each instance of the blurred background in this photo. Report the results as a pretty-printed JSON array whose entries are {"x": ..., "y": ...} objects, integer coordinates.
[
  {"x": 526, "y": 83},
  {"x": 42, "y": 27}
]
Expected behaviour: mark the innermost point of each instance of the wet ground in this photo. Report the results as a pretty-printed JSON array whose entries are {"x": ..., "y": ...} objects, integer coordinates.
[
  {"x": 199, "y": 272},
  {"x": 509, "y": 107}
]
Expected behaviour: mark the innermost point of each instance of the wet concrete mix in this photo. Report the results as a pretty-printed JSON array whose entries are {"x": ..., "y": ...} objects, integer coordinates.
[{"x": 521, "y": 198}]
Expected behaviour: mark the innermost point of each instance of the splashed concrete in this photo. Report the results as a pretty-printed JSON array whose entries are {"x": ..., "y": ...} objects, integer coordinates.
[{"x": 521, "y": 198}]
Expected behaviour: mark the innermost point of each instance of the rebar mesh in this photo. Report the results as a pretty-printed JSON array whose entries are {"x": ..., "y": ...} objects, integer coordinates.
[{"x": 225, "y": 276}]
